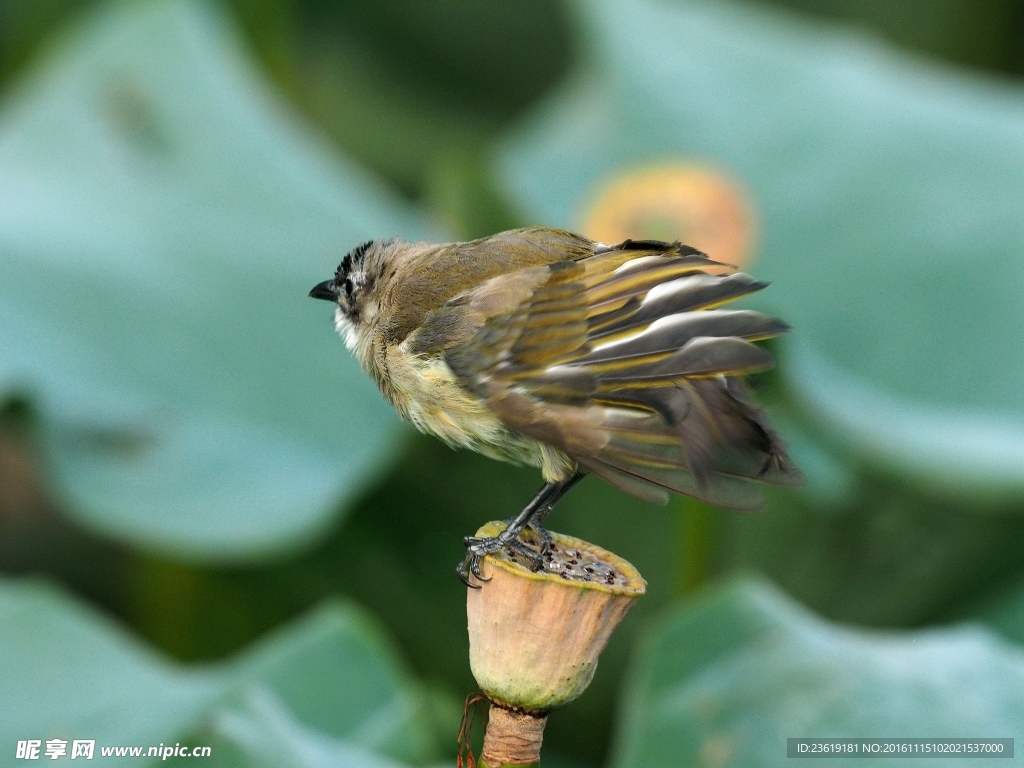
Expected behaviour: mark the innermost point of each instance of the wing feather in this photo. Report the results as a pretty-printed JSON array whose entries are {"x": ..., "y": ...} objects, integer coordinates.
[
  {"x": 699, "y": 291},
  {"x": 668, "y": 334},
  {"x": 622, "y": 361}
]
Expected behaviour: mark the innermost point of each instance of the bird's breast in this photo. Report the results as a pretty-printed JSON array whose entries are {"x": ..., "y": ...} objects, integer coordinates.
[{"x": 425, "y": 391}]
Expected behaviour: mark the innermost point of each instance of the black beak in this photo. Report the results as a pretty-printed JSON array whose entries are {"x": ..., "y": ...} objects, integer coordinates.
[{"x": 325, "y": 290}]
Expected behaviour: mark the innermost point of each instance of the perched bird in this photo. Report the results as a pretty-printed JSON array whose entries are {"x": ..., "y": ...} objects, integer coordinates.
[{"x": 541, "y": 347}]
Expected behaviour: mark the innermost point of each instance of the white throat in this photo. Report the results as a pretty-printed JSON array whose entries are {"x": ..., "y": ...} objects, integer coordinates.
[
  {"x": 347, "y": 329},
  {"x": 357, "y": 337}
]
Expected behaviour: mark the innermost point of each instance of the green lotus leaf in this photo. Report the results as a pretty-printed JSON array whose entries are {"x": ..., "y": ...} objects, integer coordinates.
[
  {"x": 162, "y": 218},
  {"x": 1003, "y": 611},
  {"x": 887, "y": 192},
  {"x": 331, "y": 678},
  {"x": 728, "y": 678},
  {"x": 301, "y": 667},
  {"x": 68, "y": 674},
  {"x": 262, "y": 732}
]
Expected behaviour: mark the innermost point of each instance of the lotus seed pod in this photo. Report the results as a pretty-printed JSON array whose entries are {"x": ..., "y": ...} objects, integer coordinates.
[{"x": 535, "y": 637}]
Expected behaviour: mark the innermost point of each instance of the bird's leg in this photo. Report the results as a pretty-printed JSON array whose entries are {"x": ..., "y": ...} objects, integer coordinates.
[
  {"x": 476, "y": 547},
  {"x": 538, "y": 509},
  {"x": 537, "y": 521}
]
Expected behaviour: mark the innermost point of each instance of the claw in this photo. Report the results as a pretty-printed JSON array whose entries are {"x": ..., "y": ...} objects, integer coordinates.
[
  {"x": 533, "y": 515},
  {"x": 475, "y": 569},
  {"x": 480, "y": 547},
  {"x": 470, "y": 564},
  {"x": 545, "y": 538},
  {"x": 464, "y": 578}
]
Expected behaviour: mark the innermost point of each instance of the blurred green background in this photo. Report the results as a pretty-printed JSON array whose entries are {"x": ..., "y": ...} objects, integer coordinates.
[{"x": 212, "y": 529}]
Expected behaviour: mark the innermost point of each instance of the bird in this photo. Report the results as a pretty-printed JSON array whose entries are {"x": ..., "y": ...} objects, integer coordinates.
[{"x": 542, "y": 347}]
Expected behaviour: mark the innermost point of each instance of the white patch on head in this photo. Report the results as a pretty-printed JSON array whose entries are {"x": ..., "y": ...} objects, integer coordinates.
[{"x": 358, "y": 277}]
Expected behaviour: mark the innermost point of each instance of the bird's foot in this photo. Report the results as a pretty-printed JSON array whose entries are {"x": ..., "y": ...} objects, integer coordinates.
[
  {"x": 477, "y": 548},
  {"x": 545, "y": 538}
]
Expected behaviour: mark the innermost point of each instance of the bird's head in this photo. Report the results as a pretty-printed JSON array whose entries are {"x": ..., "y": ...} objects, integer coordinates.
[{"x": 352, "y": 291}]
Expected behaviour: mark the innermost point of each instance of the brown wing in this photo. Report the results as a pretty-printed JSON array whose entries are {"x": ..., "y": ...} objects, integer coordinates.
[{"x": 623, "y": 360}]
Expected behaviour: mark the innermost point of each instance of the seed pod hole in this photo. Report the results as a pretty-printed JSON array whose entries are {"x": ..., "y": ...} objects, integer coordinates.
[{"x": 570, "y": 563}]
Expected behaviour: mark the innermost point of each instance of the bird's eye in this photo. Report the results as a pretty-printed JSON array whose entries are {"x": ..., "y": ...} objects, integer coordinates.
[{"x": 348, "y": 286}]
